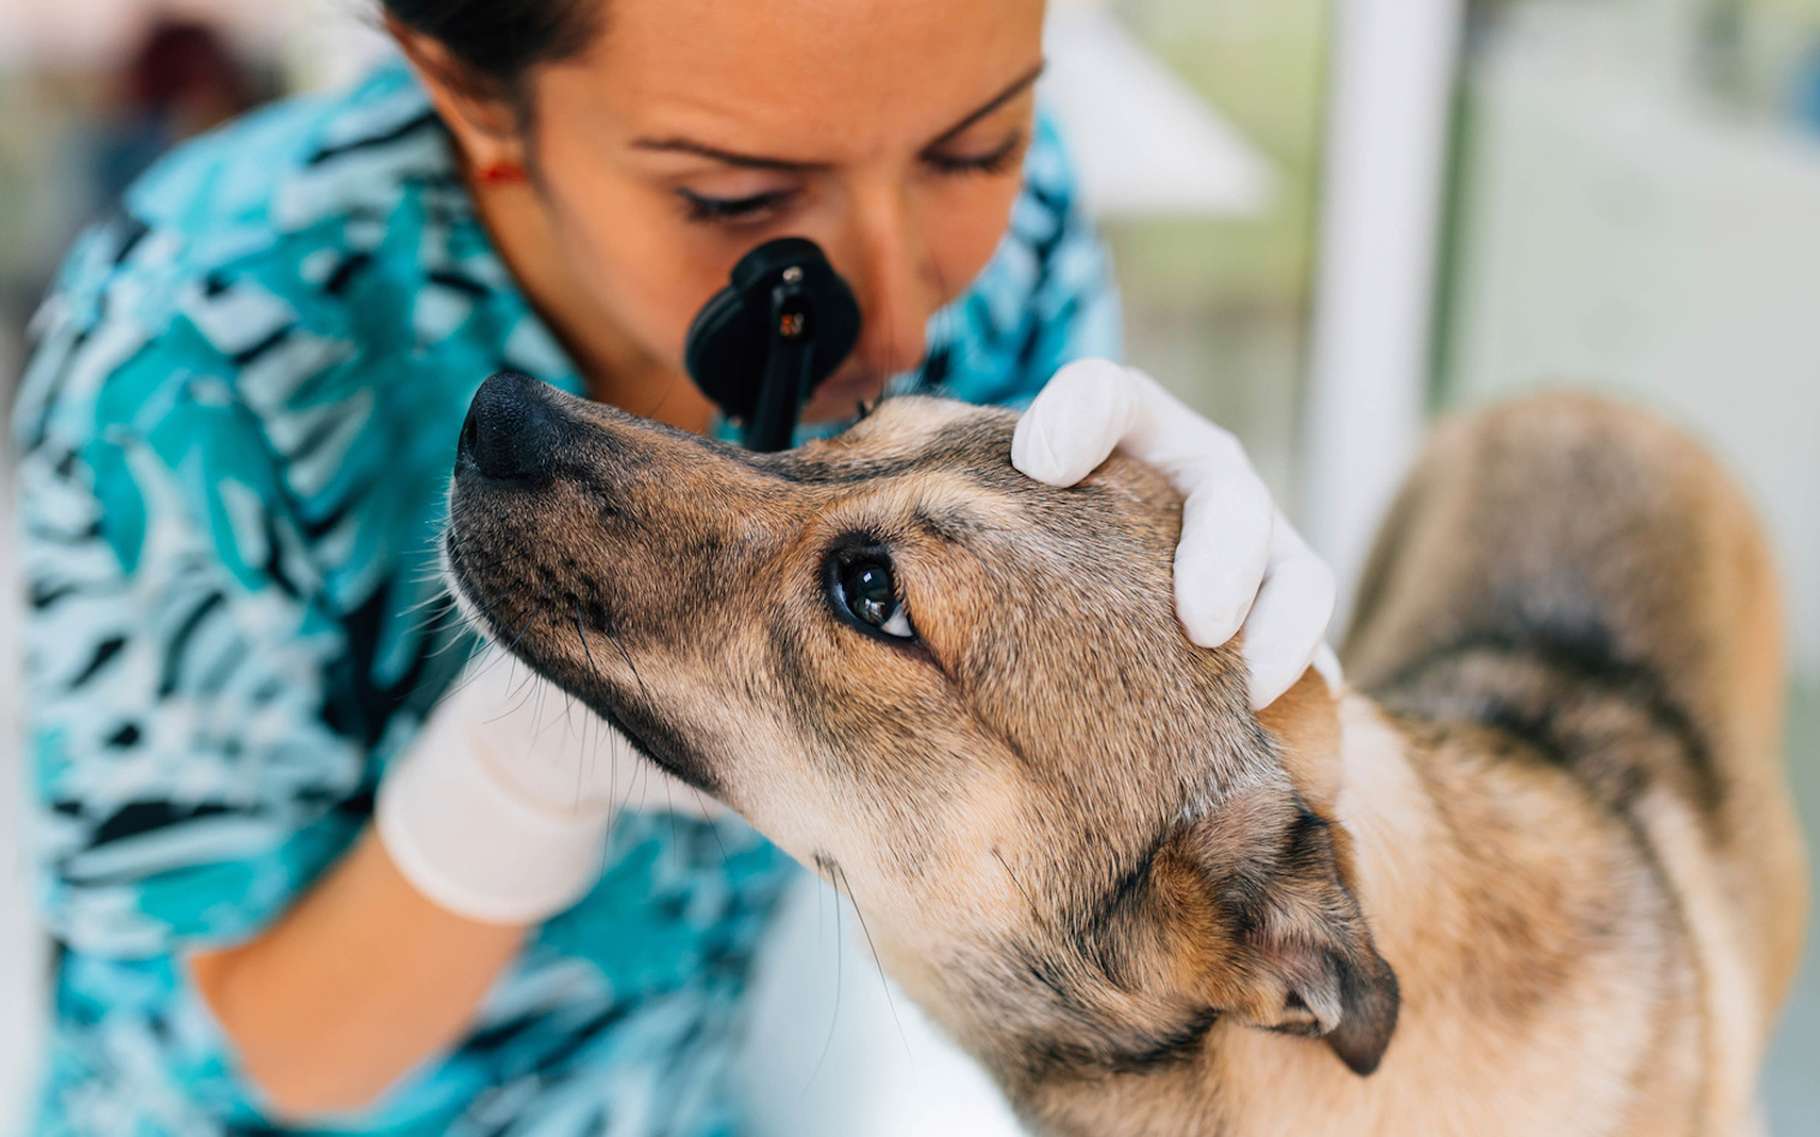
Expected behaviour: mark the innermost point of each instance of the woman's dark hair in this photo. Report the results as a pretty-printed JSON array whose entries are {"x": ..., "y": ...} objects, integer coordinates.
[{"x": 497, "y": 42}]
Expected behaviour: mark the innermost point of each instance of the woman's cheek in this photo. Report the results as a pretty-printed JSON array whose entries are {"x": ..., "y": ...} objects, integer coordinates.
[
  {"x": 966, "y": 226},
  {"x": 651, "y": 277}
]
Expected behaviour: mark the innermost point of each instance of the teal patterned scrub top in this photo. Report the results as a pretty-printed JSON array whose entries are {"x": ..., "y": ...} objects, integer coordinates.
[{"x": 235, "y": 433}]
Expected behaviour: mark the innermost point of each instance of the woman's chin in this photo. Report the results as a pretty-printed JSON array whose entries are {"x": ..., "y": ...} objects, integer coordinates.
[{"x": 839, "y": 399}]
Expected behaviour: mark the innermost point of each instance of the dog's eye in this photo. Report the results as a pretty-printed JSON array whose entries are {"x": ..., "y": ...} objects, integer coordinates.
[{"x": 870, "y": 594}]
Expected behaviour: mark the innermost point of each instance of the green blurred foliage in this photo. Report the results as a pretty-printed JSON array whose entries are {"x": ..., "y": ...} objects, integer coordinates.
[{"x": 1262, "y": 64}]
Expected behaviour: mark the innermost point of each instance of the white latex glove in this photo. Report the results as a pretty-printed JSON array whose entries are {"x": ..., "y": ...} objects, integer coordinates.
[
  {"x": 501, "y": 808},
  {"x": 1239, "y": 563}
]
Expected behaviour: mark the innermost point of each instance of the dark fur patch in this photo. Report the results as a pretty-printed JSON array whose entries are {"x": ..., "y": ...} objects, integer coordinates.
[
  {"x": 649, "y": 733},
  {"x": 1127, "y": 888},
  {"x": 1584, "y": 661},
  {"x": 1093, "y": 1047},
  {"x": 1162, "y": 1050}
]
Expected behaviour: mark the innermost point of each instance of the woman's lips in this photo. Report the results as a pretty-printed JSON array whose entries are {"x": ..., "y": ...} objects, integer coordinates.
[
  {"x": 857, "y": 383},
  {"x": 836, "y": 397}
]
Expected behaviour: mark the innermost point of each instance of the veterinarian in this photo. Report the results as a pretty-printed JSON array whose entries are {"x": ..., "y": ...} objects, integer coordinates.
[{"x": 235, "y": 437}]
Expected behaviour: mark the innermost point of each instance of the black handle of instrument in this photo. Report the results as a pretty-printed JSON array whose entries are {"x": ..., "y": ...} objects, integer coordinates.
[
  {"x": 760, "y": 346},
  {"x": 788, "y": 381}
]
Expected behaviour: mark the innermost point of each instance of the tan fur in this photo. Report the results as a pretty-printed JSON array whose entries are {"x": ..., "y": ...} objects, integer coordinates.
[{"x": 1538, "y": 874}]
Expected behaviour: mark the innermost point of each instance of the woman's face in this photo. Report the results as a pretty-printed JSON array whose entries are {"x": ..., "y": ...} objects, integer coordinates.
[{"x": 890, "y": 132}]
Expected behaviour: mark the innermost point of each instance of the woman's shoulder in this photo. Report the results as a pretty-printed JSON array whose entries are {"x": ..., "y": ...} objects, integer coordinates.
[
  {"x": 293, "y": 170},
  {"x": 235, "y": 255},
  {"x": 290, "y": 185}
]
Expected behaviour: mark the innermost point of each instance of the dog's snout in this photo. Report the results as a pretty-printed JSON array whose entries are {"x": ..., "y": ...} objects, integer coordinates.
[{"x": 512, "y": 430}]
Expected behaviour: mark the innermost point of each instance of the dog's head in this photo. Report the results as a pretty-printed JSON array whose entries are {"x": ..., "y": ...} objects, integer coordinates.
[{"x": 959, "y": 694}]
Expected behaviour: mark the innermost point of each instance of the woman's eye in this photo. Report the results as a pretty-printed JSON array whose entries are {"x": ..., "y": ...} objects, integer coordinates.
[
  {"x": 870, "y": 594},
  {"x": 711, "y": 210},
  {"x": 994, "y": 161}
]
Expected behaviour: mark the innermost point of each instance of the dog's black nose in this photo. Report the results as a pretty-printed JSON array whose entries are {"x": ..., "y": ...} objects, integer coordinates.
[{"x": 512, "y": 430}]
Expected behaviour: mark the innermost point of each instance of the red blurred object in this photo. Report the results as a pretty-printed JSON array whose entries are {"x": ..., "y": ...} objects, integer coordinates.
[
  {"x": 500, "y": 173},
  {"x": 184, "y": 72},
  {"x": 183, "y": 77}
]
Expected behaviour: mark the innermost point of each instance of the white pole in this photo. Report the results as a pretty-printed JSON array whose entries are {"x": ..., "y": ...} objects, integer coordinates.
[{"x": 1393, "y": 68}]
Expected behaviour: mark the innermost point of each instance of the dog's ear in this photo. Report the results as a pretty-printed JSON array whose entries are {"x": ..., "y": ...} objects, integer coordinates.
[{"x": 1276, "y": 938}]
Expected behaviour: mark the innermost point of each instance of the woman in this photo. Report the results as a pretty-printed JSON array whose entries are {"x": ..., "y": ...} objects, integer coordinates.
[{"x": 236, "y": 434}]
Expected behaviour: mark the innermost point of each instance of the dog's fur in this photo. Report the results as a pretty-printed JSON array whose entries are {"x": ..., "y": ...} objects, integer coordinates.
[{"x": 1538, "y": 874}]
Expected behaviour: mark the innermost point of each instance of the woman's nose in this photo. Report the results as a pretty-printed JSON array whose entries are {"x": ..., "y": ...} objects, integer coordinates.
[
  {"x": 513, "y": 430},
  {"x": 896, "y": 293}
]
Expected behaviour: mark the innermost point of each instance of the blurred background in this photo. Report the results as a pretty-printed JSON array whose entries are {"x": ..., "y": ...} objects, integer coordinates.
[{"x": 1331, "y": 221}]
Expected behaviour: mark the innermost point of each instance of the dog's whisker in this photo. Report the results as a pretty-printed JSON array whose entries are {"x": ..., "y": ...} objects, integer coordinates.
[
  {"x": 601, "y": 726},
  {"x": 543, "y": 691},
  {"x": 662, "y": 399},
  {"x": 429, "y": 621},
  {"x": 438, "y": 598},
  {"x": 670, "y": 800},
  {"x": 452, "y": 643},
  {"x": 879, "y": 963},
  {"x": 644, "y": 785},
  {"x": 630, "y": 666},
  {"x": 523, "y": 692},
  {"x": 488, "y": 656},
  {"x": 428, "y": 612},
  {"x": 834, "y": 1019},
  {"x": 437, "y": 622},
  {"x": 726, "y": 858},
  {"x": 490, "y": 647},
  {"x": 1000, "y": 858}
]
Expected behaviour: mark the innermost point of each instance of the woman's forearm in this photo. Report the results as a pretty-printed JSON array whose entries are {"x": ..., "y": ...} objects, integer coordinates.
[{"x": 352, "y": 988}]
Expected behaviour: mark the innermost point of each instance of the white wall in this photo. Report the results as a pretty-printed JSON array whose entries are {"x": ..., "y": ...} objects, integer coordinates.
[
  {"x": 85, "y": 32},
  {"x": 1619, "y": 235},
  {"x": 319, "y": 41}
]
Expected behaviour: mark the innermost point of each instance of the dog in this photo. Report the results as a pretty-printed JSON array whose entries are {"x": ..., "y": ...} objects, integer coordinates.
[{"x": 1535, "y": 872}]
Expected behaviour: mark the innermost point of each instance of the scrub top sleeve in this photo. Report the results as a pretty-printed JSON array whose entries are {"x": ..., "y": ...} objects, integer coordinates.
[{"x": 187, "y": 778}]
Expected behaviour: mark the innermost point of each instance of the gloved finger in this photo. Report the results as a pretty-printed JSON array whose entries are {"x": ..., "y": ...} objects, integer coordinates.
[
  {"x": 1228, "y": 518},
  {"x": 1223, "y": 555},
  {"x": 1184, "y": 446},
  {"x": 1094, "y": 406},
  {"x": 1288, "y": 621},
  {"x": 1074, "y": 423},
  {"x": 1327, "y": 663}
]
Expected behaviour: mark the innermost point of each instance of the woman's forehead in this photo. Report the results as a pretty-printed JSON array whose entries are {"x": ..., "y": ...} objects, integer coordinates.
[{"x": 803, "y": 80}]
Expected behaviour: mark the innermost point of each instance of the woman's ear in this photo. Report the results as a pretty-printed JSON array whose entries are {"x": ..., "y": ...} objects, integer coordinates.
[{"x": 487, "y": 120}]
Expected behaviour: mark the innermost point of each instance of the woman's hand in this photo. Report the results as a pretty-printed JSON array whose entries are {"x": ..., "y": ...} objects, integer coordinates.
[
  {"x": 495, "y": 819},
  {"x": 500, "y": 810},
  {"x": 1239, "y": 563}
]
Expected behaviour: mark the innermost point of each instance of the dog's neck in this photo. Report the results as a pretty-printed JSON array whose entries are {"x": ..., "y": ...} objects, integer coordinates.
[
  {"x": 1353, "y": 765},
  {"x": 1142, "y": 1057},
  {"x": 1404, "y": 840}
]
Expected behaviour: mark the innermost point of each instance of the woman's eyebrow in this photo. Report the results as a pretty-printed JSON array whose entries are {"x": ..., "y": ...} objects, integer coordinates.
[
  {"x": 729, "y": 157},
  {"x": 1012, "y": 91},
  {"x": 678, "y": 145}
]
